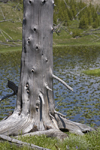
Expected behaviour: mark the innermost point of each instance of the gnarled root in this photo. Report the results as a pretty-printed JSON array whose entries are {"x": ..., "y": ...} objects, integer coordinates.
[
  {"x": 71, "y": 126},
  {"x": 49, "y": 133},
  {"x": 16, "y": 124},
  {"x": 20, "y": 124}
]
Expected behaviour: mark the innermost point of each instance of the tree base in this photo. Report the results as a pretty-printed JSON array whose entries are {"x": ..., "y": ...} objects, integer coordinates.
[
  {"x": 20, "y": 124},
  {"x": 16, "y": 125}
]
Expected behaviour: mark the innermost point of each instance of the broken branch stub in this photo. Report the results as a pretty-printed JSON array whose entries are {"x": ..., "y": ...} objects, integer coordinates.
[{"x": 63, "y": 82}]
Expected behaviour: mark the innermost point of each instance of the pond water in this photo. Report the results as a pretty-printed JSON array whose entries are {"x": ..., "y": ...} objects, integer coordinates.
[{"x": 82, "y": 105}]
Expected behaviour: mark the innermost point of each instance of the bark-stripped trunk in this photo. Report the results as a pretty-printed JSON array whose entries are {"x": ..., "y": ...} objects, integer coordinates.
[
  {"x": 35, "y": 109},
  {"x": 35, "y": 96},
  {"x": 35, "y": 91}
]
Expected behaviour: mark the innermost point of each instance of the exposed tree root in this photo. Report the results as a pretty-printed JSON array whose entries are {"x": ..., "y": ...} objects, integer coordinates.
[
  {"x": 49, "y": 133},
  {"x": 19, "y": 124},
  {"x": 16, "y": 124},
  {"x": 71, "y": 126}
]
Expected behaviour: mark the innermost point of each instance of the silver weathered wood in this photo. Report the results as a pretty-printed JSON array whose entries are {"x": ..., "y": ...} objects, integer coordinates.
[
  {"x": 35, "y": 92},
  {"x": 49, "y": 133},
  {"x": 63, "y": 82},
  {"x": 71, "y": 126}
]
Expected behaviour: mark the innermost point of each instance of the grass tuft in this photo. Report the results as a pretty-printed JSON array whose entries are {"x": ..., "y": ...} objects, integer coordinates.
[{"x": 95, "y": 72}]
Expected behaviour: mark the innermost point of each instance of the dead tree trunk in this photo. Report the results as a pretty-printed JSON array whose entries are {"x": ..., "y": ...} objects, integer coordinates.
[{"x": 35, "y": 110}]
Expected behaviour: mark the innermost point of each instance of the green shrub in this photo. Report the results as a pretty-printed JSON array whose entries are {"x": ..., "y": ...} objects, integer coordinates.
[
  {"x": 96, "y": 23},
  {"x": 83, "y": 22},
  {"x": 76, "y": 33},
  {"x": 95, "y": 72}
]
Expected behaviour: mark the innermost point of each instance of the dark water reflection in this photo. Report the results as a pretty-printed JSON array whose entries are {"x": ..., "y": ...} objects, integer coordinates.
[
  {"x": 83, "y": 104},
  {"x": 9, "y": 70}
]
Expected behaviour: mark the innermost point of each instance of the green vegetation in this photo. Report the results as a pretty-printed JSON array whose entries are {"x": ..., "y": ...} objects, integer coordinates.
[
  {"x": 89, "y": 141},
  {"x": 95, "y": 72},
  {"x": 8, "y": 146},
  {"x": 72, "y": 10},
  {"x": 10, "y": 26},
  {"x": 76, "y": 22}
]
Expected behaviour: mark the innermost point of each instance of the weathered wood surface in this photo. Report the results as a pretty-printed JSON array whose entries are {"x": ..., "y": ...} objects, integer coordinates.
[
  {"x": 35, "y": 92},
  {"x": 71, "y": 126},
  {"x": 49, "y": 133}
]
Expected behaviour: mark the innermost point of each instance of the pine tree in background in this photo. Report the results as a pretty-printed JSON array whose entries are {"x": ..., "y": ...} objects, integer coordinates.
[
  {"x": 83, "y": 22},
  {"x": 66, "y": 11},
  {"x": 73, "y": 11},
  {"x": 70, "y": 14},
  {"x": 96, "y": 23},
  {"x": 90, "y": 19}
]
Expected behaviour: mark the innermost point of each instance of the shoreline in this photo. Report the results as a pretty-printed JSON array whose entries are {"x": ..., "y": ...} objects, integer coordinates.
[{"x": 15, "y": 49}]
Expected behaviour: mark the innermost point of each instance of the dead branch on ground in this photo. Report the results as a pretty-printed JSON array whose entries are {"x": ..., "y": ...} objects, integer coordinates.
[
  {"x": 20, "y": 143},
  {"x": 5, "y": 20},
  {"x": 2, "y": 14}
]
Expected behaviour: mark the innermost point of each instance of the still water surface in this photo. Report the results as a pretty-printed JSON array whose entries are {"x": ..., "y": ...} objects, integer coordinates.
[{"x": 82, "y": 105}]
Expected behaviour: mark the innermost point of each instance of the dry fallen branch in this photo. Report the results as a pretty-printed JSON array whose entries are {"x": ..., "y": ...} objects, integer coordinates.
[
  {"x": 17, "y": 6},
  {"x": 66, "y": 4},
  {"x": 95, "y": 29},
  {"x": 58, "y": 27},
  {"x": 3, "y": 35},
  {"x": 2, "y": 43},
  {"x": 6, "y": 20},
  {"x": 81, "y": 10},
  {"x": 20, "y": 143},
  {"x": 2, "y": 14},
  {"x": 91, "y": 33},
  {"x": 8, "y": 38},
  {"x": 96, "y": 40},
  {"x": 6, "y": 34}
]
